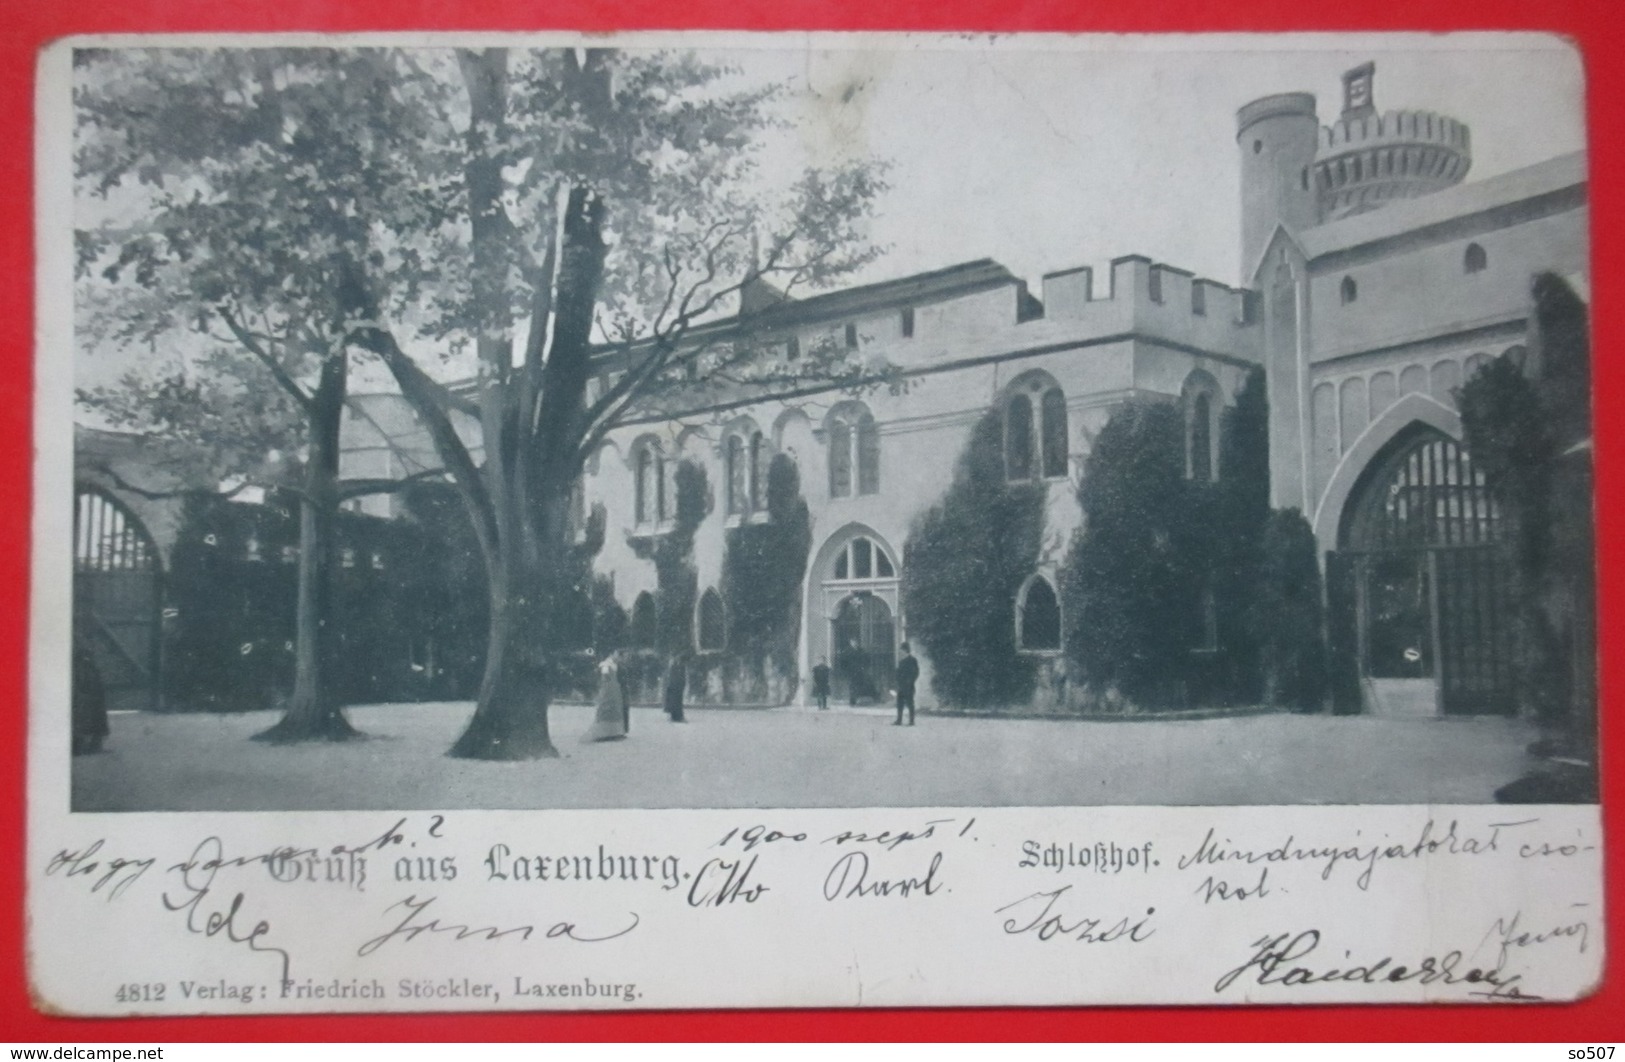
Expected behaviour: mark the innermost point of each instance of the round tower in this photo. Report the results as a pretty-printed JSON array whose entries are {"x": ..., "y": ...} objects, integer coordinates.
[
  {"x": 1278, "y": 137},
  {"x": 1369, "y": 159}
]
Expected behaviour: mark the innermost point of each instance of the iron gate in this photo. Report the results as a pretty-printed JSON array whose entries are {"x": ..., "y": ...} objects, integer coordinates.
[
  {"x": 117, "y": 593},
  {"x": 1422, "y": 575}
]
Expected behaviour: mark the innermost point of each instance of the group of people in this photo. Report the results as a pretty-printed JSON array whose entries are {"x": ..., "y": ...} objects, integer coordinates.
[
  {"x": 908, "y": 674},
  {"x": 613, "y": 717}
]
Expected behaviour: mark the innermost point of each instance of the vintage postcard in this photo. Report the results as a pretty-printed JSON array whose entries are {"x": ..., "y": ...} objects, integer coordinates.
[{"x": 728, "y": 520}]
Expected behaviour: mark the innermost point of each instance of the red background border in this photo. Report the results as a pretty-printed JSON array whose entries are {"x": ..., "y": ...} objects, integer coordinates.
[{"x": 27, "y": 25}]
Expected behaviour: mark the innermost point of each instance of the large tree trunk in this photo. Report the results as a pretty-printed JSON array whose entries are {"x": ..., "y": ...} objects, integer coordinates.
[
  {"x": 532, "y": 420},
  {"x": 313, "y": 713},
  {"x": 510, "y": 717}
]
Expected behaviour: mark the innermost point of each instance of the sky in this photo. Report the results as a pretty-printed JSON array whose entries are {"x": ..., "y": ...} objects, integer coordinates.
[{"x": 1047, "y": 153}]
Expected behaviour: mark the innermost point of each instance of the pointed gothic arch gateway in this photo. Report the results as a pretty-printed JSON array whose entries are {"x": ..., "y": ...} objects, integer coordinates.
[
  {"x": 117, "y": 599},
  {"x": 1418, "y": 587}
]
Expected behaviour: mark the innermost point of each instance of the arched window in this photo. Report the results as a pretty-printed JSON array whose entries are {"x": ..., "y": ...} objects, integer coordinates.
[
  {"x": 1349, "y": 290},
  {"x": 1199, "y": 462},
  {"x": 758, "y": 471},
  {"x": 650, "y": 505},
  {"x": 1035, "y": 431},
  {"x": 840, "y": 459},
  {"x": 862, "y": 559},
  {"x": 1202, "y": 402},
  {"x": 662, "y": 509},
  {"x": 868, "y": 454},
  {"x": 1475, "y": 260},
  {"x": 1038, "y": 617},
  {"x": 641, "y": 631},
  {"x": 1018, "y": 438},
  {"x": 710, "y": 623},
  {"x": 641, "y": 484},
  {"x": 1053, "y": 422},
  {"x": 734, "y": 474},
  {"x": 854, "y": 446}
]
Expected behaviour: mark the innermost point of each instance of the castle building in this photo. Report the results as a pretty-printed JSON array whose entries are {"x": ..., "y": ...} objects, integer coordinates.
[
  {"x": 1377, "y": 281},
  {"x": 1386, "y": 282}
]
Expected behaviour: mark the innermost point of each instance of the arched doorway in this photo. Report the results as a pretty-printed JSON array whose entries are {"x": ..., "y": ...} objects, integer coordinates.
[
  {"x": 117, "y": 591},
  {"x": 1418, "y": 586},
  {"x": 852, "y": 614},
  {"x": 865, "y": 641}
]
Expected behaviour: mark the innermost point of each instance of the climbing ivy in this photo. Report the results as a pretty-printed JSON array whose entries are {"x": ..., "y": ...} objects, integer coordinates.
[
  {"x": 762, "y": 573},
  {"x": 962, "y": 567},
  {"x": 676, "y": 581}
]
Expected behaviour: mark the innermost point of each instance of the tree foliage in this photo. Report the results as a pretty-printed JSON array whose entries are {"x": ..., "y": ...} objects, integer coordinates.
[
  {"x": 1528, "y": 430},
  {"x": 1135, "y": 574},
  {"x": 1288, "y": 615},
  {"x": 522, "y": 209},
  {"x": 762, "y": 572},
  {"x": 963, "y": 564}
]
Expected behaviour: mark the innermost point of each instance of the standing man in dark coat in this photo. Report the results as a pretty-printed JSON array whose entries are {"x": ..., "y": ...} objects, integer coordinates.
[
  {"x": 676, "y": 685},
  {"x": 820, "y": 684},
  {"x": 908, "y": 673}
]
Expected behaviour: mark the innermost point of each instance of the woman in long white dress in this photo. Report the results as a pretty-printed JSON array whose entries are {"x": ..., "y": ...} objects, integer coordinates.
[{"x": 609, "y": 722}]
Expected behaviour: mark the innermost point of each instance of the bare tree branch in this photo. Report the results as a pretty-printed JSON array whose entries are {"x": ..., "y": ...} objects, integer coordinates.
[
  {"x": 360, "y": 488},
  {"x": 280, "y": 374}
]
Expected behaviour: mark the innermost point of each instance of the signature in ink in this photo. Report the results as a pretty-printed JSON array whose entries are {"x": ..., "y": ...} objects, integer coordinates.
[
  {"x": 197, "y": 878},
  {"x": 410, "y": 928},
  {"x": 1277, "y": 960},
  {"x": 115, "y": 874}
]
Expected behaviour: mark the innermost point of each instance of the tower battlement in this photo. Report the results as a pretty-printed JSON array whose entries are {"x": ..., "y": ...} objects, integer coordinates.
[
  {"x": 1299, "y": 173},
  {"x": 1367, "y": 160}
]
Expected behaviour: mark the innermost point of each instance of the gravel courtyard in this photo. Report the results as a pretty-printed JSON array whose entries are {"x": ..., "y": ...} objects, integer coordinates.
[{"x": 801, "y": 758}]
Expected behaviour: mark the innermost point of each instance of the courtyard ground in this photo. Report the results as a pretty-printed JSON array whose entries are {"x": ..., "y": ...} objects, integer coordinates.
[{"x": 796, "y": 757}]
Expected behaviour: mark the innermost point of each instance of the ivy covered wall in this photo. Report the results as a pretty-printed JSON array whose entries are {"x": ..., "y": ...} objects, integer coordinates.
[
  {"x": 963, "y": 565},
  {"x": 763, "y": 568}
]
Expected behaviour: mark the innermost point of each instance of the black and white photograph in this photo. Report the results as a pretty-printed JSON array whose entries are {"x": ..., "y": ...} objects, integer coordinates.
[
  {"x": 860, "y": 424},
  {"x": 726, "y": 520}
]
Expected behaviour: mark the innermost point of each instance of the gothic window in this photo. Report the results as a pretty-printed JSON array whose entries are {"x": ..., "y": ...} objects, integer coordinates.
[
  {"x": 649, "y": 501},
  {"x": 734, "y": 474},
  {"x": 758, "y": 471},
  {"x": 1038, "y": 617},
  {"x": 1200, "y": 461},
  {"x": 1053, "y": 417},
  {"x": 661, "y": 509},
  {"x": 1202, "y": 404},
  {"x": 643, "y": 465},
  {"x": 862, "y": 558},
  {"x": 1018, "y": 438},
  {"x": 1349, "y": 290},
  {"x": 908, "y": 322},
  {"x": 840, "y": 459},
  {"x": 792, "y": 348},
  {"x": 1475, "y": 260},
  {"x": 711, "y": 623},
  {"x": 854, "y": 446},
  {"x": 868, "y": 438},
  {"x": 1035, "y": 431},
  {"x": 641, "y": 629},
  {"x": 852, "y": 336}
]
